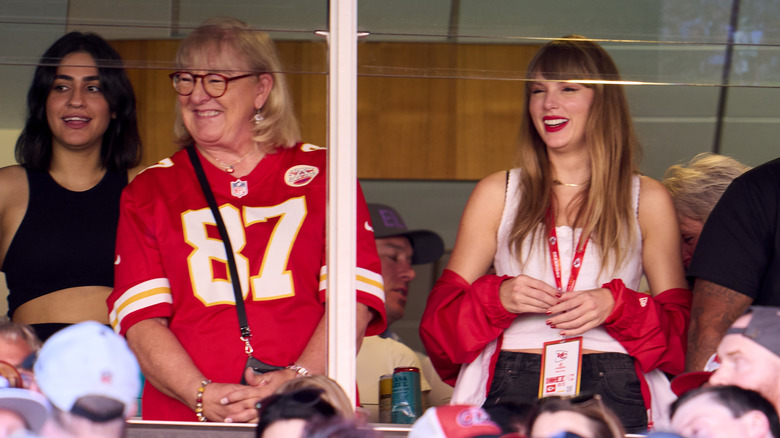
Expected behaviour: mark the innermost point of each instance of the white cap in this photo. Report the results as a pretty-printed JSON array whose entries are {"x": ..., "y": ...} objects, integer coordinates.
[
  {"x": 33, "y": 407},
  {"x": 87, "y": 359}
]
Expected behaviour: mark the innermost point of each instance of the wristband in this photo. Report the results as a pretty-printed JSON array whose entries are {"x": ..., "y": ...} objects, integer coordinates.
[
  {"x": 299, "y": 370},
  {"x": 199, "y": 400}
]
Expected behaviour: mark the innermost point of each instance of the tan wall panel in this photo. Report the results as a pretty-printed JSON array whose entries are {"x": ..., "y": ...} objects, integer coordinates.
[
  {"x": 410, "y": 126},
  {"x": 489, "y": 109},
  {"x": 155, "y": 98}
]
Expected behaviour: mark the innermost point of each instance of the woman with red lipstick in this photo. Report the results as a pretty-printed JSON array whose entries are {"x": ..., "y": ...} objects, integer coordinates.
[
  {"x": 60, "y": 206},
  {"x": 223, "y": 299},
  {"x": 570, "y": 233}
]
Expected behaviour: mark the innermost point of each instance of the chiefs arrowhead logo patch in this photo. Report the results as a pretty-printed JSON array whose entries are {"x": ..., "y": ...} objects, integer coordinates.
[{"x": 299, "y": 176}]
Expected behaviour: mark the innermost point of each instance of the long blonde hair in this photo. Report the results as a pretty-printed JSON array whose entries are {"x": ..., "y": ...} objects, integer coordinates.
[
  {"x": 604, "y": 207},
  {"x": 258, "y": 51}
]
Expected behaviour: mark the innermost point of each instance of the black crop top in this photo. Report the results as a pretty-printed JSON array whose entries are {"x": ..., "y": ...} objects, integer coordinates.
[{"x": 66, "y": 239}]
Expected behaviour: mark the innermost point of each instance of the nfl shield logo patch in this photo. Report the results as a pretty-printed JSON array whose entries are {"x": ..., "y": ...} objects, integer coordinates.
[{"x": 239, "y": 188}]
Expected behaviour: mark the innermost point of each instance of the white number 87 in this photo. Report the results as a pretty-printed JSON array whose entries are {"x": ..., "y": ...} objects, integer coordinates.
[{"x": 273, "y": 280}]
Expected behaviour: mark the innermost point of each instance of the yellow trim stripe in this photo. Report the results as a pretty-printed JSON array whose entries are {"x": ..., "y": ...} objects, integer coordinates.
[
  {"x": 366, "y": 281},
  {"x": 142, "y": 295}
]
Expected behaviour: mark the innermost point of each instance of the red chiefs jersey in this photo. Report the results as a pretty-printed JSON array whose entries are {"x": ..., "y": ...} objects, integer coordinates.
[{"x": 171, "y": 263}]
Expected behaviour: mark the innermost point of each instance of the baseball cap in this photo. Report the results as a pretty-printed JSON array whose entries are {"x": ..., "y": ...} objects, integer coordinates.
[
  {"x": 695, "y": 379},
  {"x": 88, "y": 359},
  {"x": 428, "y": 246},
  {"x": 763, "y": 328},
  {"x": 454, "y": 421},
  {"x": 32, "y": 406}
]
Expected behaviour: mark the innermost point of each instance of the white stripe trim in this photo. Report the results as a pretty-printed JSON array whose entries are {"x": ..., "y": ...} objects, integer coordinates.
[
  {"x": 139, "y": 288},
  {"x": 366, "y": 286}
]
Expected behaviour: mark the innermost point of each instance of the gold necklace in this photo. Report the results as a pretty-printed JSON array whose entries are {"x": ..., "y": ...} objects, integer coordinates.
[
  {"x": 230, "y": 168},
  {"x": 559, "y": 183}
]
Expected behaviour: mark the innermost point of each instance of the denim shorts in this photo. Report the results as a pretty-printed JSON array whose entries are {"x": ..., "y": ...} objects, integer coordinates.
[{"x": 612, "y": 375}]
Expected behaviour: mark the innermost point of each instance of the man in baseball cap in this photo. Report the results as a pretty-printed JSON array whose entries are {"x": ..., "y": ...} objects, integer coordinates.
[
  {"x": 399, "y": 248},
  {"x": 750, "y": 353},
  {"x": 91, "y": 378}
]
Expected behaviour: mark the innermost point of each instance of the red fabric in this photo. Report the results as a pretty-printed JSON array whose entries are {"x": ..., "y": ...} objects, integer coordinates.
[
  {"x": 654, "y": 330},
  {"x": 173, "y": 263},
  {"x": 462, "y": 421},
  {"x": 460, "y": 319}
]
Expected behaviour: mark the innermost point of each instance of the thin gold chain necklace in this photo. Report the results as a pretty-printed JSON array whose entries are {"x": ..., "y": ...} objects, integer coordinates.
[
  {"x": 230, "y": 168},
  {"x": 559, "y": 183}
]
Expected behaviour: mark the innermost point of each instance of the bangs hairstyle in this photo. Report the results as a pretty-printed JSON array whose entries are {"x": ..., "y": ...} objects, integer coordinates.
[
  {"x": 121, "y": 146},
  {"x": 604, "y": 207},
  {"x": 257, "y": 52}
]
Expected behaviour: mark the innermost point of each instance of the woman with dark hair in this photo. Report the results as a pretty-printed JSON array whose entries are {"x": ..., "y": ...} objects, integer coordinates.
[
  {"x": 60, "y": 206},
  {"x": 570, "y": 233},
  {"x": 581, "y": 417},
  {"x": 286, "y": 414}
]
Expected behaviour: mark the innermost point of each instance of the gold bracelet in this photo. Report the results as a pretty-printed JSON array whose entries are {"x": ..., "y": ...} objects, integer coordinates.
[
  {"x": 199, "y": 401},
  {"x": 299, "y": 370}
]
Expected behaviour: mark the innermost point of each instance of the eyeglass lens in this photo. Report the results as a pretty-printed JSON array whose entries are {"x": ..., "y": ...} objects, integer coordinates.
[{"x": 214, "y": 84}]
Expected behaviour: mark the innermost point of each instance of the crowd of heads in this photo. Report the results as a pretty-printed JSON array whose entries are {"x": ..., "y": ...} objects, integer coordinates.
[{"x": 83, "y": 381}]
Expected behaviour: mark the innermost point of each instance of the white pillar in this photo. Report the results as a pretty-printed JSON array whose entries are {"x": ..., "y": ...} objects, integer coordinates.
[{"x": 342, "y": 191}]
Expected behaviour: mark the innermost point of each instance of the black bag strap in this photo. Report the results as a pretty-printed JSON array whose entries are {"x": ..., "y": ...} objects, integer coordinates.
[{"x": 246, "y": 331}]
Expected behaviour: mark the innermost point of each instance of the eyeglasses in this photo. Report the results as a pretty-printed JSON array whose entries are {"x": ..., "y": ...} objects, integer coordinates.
[
  {"x": 214, "y": 84},
  {"x": 11, "y": 375}
]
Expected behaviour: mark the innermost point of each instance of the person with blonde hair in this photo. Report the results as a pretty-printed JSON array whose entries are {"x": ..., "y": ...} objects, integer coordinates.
[
  {"x": 570, "y": 233},
  {"x": 696, "y": 187},
  {"x": 221, "y": 258}
]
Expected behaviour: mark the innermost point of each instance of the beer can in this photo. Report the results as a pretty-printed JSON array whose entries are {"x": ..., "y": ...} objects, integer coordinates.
[
  {"x": 385, "y": 398},
  {"x": 407, "y": 400}
]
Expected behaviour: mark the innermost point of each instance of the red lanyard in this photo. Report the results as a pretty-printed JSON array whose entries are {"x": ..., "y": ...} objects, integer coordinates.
[{"x": 555, "y": 257}]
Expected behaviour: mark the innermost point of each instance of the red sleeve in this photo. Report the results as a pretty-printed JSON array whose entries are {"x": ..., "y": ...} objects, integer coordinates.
[
  {"x": 654, "y": 330},
  {"x": 369, "y": 269},
  {"x": 460, "y": 319},
  {"x": 142, "y": 289}
]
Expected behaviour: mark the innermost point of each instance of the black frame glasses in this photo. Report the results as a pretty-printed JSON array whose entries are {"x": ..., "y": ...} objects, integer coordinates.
[{"x": 217, "y": 80}]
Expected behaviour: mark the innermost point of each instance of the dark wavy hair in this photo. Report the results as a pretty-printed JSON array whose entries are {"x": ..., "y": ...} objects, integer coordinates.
[
  {"x": 302, "y": 403},
  {"x": 121, "y": 148}
]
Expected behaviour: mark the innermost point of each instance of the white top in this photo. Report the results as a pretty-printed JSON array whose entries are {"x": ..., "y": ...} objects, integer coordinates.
[{"x": 530, "y": 331}]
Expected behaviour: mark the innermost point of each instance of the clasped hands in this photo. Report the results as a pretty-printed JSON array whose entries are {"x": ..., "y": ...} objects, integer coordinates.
[
  {"x": 573, "y": 313},
  {"x": 236, "y": 403}
]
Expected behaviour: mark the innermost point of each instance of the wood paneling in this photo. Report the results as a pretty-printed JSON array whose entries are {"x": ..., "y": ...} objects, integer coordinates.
[
  {"x": 414, "y": 122},
  {"x": 155, "y": 98}
]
